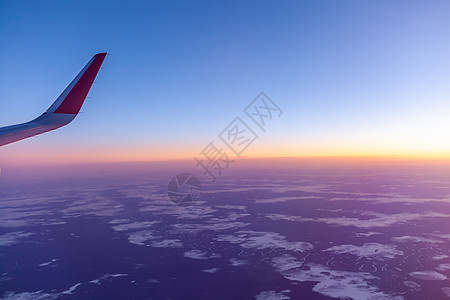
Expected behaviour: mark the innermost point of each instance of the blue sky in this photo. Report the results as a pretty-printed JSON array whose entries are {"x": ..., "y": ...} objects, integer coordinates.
[{"x": 352, "y": 77}]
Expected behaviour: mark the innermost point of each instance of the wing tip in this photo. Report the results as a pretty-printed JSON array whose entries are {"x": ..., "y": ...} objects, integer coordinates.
[
  {"x": 100, "y": 55},
  {"x": 76, "y": 92}
]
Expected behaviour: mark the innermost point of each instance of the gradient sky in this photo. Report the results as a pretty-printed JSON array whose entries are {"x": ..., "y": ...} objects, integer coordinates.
[{"x": 352, "y": 77}]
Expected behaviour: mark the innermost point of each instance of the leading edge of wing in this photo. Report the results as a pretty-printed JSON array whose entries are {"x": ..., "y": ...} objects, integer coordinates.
[{"x": 62, "y": 111}]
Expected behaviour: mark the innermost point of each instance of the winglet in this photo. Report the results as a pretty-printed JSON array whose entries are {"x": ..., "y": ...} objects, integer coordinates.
[
  {"x": 62, "y": 111},
  {"x": 73, "y": 97}
]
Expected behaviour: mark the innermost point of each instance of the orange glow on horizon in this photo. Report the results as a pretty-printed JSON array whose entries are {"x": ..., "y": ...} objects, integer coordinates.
[
  {"x": 35, "y": 152},
  {"x": 92, "y": 156}
]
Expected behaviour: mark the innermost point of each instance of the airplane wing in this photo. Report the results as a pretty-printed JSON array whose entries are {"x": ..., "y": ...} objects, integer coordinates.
[{"x": 62, "y": 111}]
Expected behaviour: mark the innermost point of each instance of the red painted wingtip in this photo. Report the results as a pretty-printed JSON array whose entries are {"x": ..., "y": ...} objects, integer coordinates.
[
  {"x": 75, "y": 98},
  {"x": 100, "y": 55}
]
